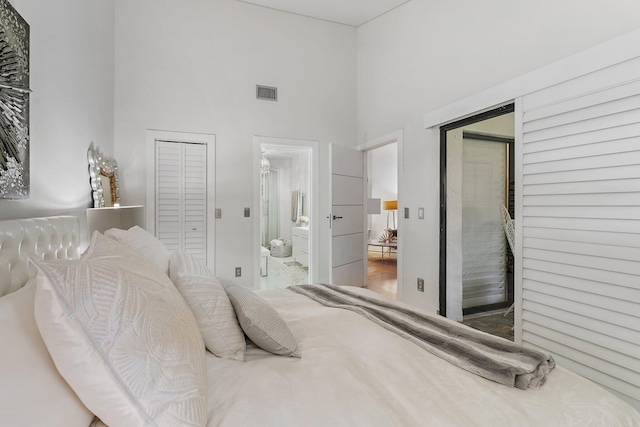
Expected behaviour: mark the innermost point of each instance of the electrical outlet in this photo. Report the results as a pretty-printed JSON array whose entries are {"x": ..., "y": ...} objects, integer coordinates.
[
  {"x": 420, "y": 213},
  {"x": 420, "y": 285},
  {"x": 247, "y": 212},
  {"x": 238, "y": 271}
]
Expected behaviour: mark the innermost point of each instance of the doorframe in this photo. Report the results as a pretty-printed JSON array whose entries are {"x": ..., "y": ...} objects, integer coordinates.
[
  {"x": 314, "y": 223},
  {"x": 153, "y": 135},
  {"x": 396, "y": 136},
  {"x": 495, "y": 112}
]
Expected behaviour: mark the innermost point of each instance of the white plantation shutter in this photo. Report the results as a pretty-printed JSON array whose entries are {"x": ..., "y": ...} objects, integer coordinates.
[
  {"x": 484, "y": 246},
  {"x": 181, "y": 196},
  {"x": 581, "y": 225}
]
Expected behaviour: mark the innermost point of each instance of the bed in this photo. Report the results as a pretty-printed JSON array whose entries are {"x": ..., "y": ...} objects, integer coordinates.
[{"x": 307, "y": 364}]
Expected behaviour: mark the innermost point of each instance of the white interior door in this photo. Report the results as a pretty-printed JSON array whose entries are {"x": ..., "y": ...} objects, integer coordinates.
[
  {"x": 483, "y": 240},
  {"x": 347, "y": 216}
]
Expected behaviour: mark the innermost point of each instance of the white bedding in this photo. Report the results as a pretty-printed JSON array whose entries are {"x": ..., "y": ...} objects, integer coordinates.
[
  {"x": 355, "y": 373},
  {"x": 352, "y": 372}
]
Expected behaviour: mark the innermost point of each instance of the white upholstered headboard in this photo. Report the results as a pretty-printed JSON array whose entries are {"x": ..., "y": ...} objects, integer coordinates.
[{"x": 55, "y": 237}]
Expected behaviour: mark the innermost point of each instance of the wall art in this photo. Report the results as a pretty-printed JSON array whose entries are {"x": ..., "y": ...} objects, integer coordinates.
[{"x": 14, "y": 104}]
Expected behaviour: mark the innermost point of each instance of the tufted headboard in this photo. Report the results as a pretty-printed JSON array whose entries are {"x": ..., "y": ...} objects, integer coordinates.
[{"x": 55, "y": 237}]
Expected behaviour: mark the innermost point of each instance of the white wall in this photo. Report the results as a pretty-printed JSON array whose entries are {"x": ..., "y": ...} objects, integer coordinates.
[
  {"x": 427, "y": 54},
  {"x": 72, "y": 102},
  {"x": 195, "y": 69}
]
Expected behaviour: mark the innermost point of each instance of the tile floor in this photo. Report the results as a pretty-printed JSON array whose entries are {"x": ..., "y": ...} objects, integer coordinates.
[{"x": 283, "y": 272}]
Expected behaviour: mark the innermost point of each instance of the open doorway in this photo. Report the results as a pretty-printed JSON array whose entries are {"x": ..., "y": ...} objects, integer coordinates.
[
  {"x": 382, "y": 218},
  {"x": 285, "y": 206},
  {"x": 476, "y": 274}
]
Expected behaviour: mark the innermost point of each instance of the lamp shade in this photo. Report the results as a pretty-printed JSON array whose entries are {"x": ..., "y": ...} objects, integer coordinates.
[{"x": 390, "y": 205}]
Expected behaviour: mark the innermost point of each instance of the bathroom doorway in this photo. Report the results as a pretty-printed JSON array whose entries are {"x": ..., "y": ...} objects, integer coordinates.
[
  {"x": 285, "y": 212},
  {"x": 477, "y": 186}
]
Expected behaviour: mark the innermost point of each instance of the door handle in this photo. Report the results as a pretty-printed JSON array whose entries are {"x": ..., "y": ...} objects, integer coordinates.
[{"x": 337, "y": 217}]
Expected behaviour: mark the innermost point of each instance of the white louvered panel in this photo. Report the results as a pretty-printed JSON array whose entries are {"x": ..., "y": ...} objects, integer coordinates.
[
  {"x": 181, "y": 194},
  {"x": 593, "y": 262},
  {"x": 598, "y": 313},
  {"x": 614, "y": 381},
  {"x": 629, "y": 130},
  {"x": 615, "y": 363},
  {"x": 580, "y": 184},
  {"x": 590, "y": 99},
  {"x": 618, "y": 378},
  {"x": 625, "y": 145},
  {"x": 584, "y": 199},
  {"x": 195, "y": 193},
  {"x": 606, "y": 79},
  {"x": 583, "y": 297},
  {"x": 168, "y": 184},
  {"x": 586, "y": 236},
  {"x": 585, "y": 273},
  {"x": 594, "y": 162},
  {"x": 599, "y": 328},
  {"x": 610, "y": 212},
  {"x": 629, "y": 296},
  {"x": 617, "y": 106},
  {"x": 483, "y": 192},
  {"x": 583, "y": 248},
  {"x": 599, "y": 123},
  {"x": 580, "y": 225},
  {"x": 600, "y": 224}
]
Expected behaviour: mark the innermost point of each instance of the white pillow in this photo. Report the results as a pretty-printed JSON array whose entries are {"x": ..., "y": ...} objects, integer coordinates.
[
  {"x": 33, "y": 392},
  {"x": 123, "y": 338},
  {"x": 215, "y": 316},
  {"x": 142, "y": 241},
  {"x": 261, "y": 322},
  {"x": 186, "y": 263}
]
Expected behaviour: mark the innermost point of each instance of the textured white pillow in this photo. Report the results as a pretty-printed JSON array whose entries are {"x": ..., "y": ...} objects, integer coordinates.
[
  {"x": 123, "y": 337},
  {"x": 215, "y": 316},
  {"x": 142, "y": 241},
  {"x": 261, "y": 322},
  {"x": 34, "y": 393},
  {"x": 186, "y": 263}
]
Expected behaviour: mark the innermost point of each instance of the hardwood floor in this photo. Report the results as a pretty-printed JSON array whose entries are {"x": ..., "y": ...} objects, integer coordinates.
[{"x": 382, "y": 273}]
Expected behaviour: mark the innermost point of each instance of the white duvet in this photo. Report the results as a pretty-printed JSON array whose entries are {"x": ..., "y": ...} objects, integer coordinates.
[{"x": 355, "y": 373}]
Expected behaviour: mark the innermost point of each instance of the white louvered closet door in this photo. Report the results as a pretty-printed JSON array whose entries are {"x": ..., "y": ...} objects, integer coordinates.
[
  {"x": 181, "y": 196},
  {"x": 581, "y": 225}
]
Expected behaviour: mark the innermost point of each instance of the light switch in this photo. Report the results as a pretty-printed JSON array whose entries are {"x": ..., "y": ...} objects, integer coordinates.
[
  {"x": 247, "y": 212},
  {"x": 420, "y": 213},
  {"x": 406, "y": 213},
  {"x": 218, "y": 213}
]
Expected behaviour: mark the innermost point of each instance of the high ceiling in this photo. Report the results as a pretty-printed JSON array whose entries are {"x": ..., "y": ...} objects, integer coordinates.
[{"x": 348, "y": 12}]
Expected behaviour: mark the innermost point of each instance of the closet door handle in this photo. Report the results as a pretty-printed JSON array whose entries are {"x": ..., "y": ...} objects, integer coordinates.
[{"x": 337, "y": 217}]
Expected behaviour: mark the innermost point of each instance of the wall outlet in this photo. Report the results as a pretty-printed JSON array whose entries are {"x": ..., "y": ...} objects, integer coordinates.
[
  {"x": 420, "y": 285},
  {"x": 238, "y": 271}
]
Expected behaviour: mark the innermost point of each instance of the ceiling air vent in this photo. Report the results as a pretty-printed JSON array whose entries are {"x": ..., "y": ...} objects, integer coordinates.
[{"x": 267, "y": 93}]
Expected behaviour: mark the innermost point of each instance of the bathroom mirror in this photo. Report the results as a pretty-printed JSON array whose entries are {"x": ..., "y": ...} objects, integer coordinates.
[{"x": 103, "y": 177}]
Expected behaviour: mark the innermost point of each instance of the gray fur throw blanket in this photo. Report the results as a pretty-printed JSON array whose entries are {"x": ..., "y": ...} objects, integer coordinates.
[{"x": 485, "y": 355}]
